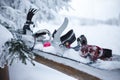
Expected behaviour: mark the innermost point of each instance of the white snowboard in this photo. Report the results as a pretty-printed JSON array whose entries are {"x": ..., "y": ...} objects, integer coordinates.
[{"x": 60, "y": 30}]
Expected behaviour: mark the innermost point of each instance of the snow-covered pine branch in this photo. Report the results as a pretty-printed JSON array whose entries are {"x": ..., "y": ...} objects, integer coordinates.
[{"x": 13, "y": 50}]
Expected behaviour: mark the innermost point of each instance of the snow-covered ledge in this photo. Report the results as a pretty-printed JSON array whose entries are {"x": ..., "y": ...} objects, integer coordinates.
[
  {"x": 100, "y": 74},
  {"x": 79, "y": 75}
]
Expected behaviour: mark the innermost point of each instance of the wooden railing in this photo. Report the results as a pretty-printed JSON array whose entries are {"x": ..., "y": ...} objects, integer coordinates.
[{"x": 79, "y": 75}]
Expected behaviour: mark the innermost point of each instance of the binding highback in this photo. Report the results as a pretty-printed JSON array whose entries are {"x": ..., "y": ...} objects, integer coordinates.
[{"x": 69, "y": 37}]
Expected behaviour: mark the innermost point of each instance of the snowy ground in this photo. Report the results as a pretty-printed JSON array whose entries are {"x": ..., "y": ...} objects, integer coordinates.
[{"x": 18, "y": 71}]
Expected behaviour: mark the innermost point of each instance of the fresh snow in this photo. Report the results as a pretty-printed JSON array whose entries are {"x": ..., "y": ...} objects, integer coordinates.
[
  {"x": 18, "y": 71},
  {"x": 103, "y": 35},
  {"x": 5, "y": 36},
  {"x": 100, "y": 73}
]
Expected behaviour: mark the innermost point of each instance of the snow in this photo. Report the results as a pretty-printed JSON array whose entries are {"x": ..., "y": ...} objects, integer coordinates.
[
  {"x": 108, "y": 65},
  {"x": 103, "y": 35},
  {"x": 100, "y": 73},
  {"x": 5, "y": 36},
  {"x": 18, "y": 71},
  {"x": 70, "y": 53}
]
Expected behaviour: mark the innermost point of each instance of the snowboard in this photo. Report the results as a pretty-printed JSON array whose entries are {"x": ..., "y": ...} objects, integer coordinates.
[{"x": 59, "y": 31}]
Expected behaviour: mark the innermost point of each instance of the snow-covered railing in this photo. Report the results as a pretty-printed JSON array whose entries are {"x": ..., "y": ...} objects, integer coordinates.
[{"x": 80, "y": 75}]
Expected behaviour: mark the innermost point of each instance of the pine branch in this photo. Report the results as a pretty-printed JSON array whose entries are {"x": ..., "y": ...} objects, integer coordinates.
[{"x": 16, "y": 49}]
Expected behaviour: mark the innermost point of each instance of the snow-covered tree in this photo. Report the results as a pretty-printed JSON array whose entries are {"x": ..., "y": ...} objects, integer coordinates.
[
  {"x": 13, "y": 16},
  {"x": 13, "y": 12}
]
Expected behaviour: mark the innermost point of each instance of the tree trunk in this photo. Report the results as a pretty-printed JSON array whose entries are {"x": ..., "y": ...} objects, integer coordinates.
[{"x": 4, "y": 75}]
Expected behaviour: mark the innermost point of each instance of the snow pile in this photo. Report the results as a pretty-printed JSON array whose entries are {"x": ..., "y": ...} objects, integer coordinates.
[
  {"x": 18, "y": 71},
  {"x": 72, "y": 54},
  {"x": 50, "y": 49},
  {"x": 5, "y": 36},
  {"x": 107, "y": 65}
]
